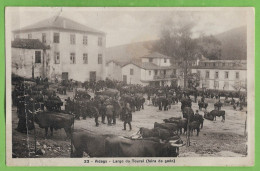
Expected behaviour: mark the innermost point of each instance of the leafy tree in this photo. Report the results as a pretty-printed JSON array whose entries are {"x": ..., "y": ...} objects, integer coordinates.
[{"x": 177, "y": 41}]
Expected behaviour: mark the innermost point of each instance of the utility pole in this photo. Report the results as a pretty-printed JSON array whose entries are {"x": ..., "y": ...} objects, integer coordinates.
[{"x": 32, "y": 68}]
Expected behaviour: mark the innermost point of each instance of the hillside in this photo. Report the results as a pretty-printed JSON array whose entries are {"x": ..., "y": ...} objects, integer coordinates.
[
  {"x": 128, "y": 52},
  {"x": 233, "y": 47},
  {"x": 234, "y": 44}
]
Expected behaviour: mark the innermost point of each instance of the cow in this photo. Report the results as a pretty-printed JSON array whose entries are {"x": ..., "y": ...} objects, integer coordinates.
[
  {"x": 92, "y": 144},
  {"x": 169, "y": 126},
  {"x": 124, "y": 147},
  {"x": 218, "y": 113},
  {"x": 114, "y": 146},
  {"x": 202, "y": 105},
  {"x": 194, "y": 125},
  {"x": 54, "y": 120},
  {"x": 181, "y": 123},
  {"x": 208, "y": 116},
  {"x": 161, "y": 133}
]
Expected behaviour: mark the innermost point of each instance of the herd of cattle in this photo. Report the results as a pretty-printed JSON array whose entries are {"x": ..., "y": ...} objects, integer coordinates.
[{"x": 38, "y": 102}]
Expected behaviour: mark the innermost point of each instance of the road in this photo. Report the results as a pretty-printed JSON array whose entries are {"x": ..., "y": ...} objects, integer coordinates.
[{"x": 216, "y": 138}]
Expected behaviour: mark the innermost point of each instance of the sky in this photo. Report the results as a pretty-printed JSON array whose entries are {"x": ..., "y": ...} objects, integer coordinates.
[{"x": 128, "y": 25}]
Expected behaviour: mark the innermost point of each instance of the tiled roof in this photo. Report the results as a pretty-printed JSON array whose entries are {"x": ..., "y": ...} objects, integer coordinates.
[
  {"x": 149, "y": 65},
  {"x": 155, "y": 55},
  {"x": 117, "y": 62},
  {"x": 59, "y": 23},
  {"x": 28, "y": 44}
]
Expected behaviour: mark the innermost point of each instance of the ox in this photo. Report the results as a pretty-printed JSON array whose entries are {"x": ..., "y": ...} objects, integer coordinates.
[
  {"x": 219, "y": 113},
  {"x": 54, "y": 120}
]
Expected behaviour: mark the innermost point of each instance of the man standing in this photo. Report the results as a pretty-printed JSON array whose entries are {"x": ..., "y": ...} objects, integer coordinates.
[
  {"x": 102, "y": 111},
  {"x": 127, "y": 116}
]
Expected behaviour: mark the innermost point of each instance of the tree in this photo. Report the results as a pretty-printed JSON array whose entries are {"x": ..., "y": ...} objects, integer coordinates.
[
  {"x": 193, "y": 80},
  {"x": 177, "y": 42},
  {"x": 210, "y": 47}
]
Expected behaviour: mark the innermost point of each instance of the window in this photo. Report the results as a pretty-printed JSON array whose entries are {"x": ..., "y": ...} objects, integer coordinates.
[
  {"x": 150, "y": 59},
  {"x": 205, "y": 64},
  {"x": 100, "y": 59},
  {"x": 223, "y": 64},
  {"x": 237, "y": 75},
  {"x": 216, "y": 74},
  {"x": 207, "y": 74},
  {"x": 85, "y": 40},
  {"x": 56, "y": 38},
  {"x": 214, "y": 64},
  {"x": 131, "y": 71},
  {"x": 72, "y": 39},
  {"x": 216, "y": 84},
  {"x": 29, "y": 36},
  {"x": 165, "y": 60},
  {"x": 72, "y": 58},
  {"x": 226, "y": 74},
  {"x": 43, "y": 37},
  {"x": 37, "y": 57},
  {"x": 56, "y": 57},
  {"x": 155, "y": 72},
  {"x": 85, "y": 58},
  {"x": 174, "y": 71},
  {"x": 150, "y": 72},
  {"x": 99, "y": 41}
]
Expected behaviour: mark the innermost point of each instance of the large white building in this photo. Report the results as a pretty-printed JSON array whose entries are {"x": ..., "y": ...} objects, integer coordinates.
[
  {"x": 222, "y": 74},
  {"x": 154, "y": 69},
  {"x": 76, "y": 51}
]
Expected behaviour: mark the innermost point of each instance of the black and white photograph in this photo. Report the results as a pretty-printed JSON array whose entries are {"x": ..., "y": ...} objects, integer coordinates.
[{"x": 121, "y": 86}]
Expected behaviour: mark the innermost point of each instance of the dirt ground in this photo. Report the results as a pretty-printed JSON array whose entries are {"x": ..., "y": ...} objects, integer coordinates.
[{"x": 218, "y": 139}]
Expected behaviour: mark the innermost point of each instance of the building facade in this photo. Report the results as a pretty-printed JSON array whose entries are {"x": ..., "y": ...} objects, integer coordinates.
[
  {"x": 29, "y": 58},
  {"x": 154, "y": 69},
  {"x": 76, "y": 51},
  {"x": 114, "y": 70},
  {"x": 230, "y": 75}
]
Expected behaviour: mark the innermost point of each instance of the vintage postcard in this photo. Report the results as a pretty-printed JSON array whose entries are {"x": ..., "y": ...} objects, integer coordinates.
[{"x": 130, "y": 86}]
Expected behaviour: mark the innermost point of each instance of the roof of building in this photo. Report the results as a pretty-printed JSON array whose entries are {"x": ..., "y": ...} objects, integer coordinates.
[
  {"x": 156, "y": 55},
  {"x": 148, "y": 65},
  {"x": 222, "y": 64},
  {"x": 29, "y": 44},
  {"x": 117, "y": 62},
  {"x": 59, "y": 22}
]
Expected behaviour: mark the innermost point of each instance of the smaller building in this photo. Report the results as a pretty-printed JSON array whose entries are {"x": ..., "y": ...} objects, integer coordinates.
[
  {"x": 29, "y": 58},
  {"x": 114, "y": 70},
  {"x": 153, "y": 69},
  {"x": 230, "y": 75}
]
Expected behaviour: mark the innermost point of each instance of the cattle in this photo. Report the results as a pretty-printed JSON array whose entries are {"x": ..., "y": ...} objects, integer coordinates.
[
  {"x": 123, "y": 147},
  {"x": 54, "y": 120},
  {"x": 194, "y": 125},
  {"x": 208, "y": 116},
  {"x": 172, "y": 120},
  {"x": 109, "y": 92},
  {"x": 202, "y": 105},
  {"x": 169, "y": 126},
  {"x": 181, "y": 123},
  {"x": 219, "y": 113},
  {"x": 114, "y": 146},
  {"x": 188, "y": 113},
  {"x": 92, "y": 144},
  {"x": 161, "y": 133}
]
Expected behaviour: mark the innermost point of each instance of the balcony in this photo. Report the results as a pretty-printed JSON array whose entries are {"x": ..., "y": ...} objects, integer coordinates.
[{"x": 162, "y": 76}]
